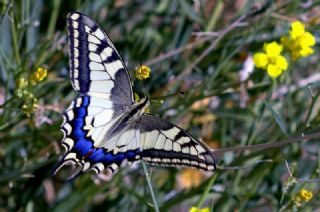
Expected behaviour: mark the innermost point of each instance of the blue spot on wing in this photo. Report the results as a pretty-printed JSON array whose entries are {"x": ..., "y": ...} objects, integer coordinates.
[
  {"x": 83, "y": 144},
  {"x": 107, "y": 158}
]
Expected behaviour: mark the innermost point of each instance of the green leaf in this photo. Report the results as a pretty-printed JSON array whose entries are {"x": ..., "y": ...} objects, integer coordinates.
[{"x": 277, "y": 118}]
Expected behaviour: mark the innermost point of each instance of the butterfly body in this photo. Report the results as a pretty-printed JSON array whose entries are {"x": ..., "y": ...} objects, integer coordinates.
[{"x": 104, "y": 127}]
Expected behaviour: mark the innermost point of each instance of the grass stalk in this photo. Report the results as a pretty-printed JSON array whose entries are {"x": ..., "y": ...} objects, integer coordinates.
[
  {"x": 206, "y": 191},
  {"x": 53, "y": 18},
  {"x": 15, "y": 38},
  {"x": 155, "y": 204},
  {"x": 313, "y": 103}
]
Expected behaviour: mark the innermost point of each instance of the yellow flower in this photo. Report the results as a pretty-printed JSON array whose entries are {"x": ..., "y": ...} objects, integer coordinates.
[
  {"x": 302, "y": 196},
  {"x": 38, "y": 76},
  {"x": 271, "y": 60},
  {"x": 195, "y": 209},
  {"x": 306, "y": 195},
  {"x": 299, "y": 42},
  {"x": 143, "y": 72}
]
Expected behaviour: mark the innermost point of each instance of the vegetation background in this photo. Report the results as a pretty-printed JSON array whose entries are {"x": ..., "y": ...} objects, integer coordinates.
[{"x": 201, "y": 47}]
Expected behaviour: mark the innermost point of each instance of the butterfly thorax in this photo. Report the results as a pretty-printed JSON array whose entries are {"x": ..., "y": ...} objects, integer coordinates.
[
  {"x": 139, "y": 108},
  {"x": 130, "y": 115}
]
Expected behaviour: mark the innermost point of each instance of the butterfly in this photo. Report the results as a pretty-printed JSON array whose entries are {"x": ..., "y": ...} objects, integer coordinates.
[{"x": 104, "y": 126}]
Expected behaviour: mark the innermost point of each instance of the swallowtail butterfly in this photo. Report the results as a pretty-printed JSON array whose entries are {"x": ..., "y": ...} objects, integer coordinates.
[{"x": 104, "y": 127}]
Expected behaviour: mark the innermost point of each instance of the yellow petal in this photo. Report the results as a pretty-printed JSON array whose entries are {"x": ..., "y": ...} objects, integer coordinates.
[
  {"x": 273, "y": 49},
  {"x": 297, "y": 29},
  {"x": 307, "y": 39},
  {"x": 273, "y": 71},
  {"x": 281, "y": 62},
  {"x": 260, "y": 59},
  {"x": 193, "y": 209},
  {"x": 306, "y": 51},
  {"x": 205, "y": 209},
  {"x": 306, "y": 195}
]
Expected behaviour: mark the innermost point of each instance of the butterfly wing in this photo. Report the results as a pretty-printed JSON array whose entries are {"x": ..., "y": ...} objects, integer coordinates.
[
  {"x": 163, "y": 143},
  {"x": 96, "y": 68},
  {"x": 98, "y": 73}
]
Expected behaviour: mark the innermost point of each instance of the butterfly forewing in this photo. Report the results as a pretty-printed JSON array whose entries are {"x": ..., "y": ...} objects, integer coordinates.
[{"x": 96, "y": 67}]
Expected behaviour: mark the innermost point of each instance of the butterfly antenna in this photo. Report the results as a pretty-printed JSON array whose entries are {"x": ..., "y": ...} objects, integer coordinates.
[{"x": 178, "y": 93}]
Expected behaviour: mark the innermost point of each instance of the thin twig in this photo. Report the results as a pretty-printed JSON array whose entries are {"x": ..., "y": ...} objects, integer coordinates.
[
  {"x": 295, "y": 178},
  {"x": 298, "y": 179},
  {"x": 176, "y": 51},
  {"x": 207, "y": 34},
  {"x": 270, "y": 145},
  {"x": 287, "y": 164},
  {"x": 276, "y": 144},
  {"x": 244, "y": 167},
  {"x": 301, "y": 83},
  {"x": 222, "y": 33},
  {"x": 283, "y": 17}
]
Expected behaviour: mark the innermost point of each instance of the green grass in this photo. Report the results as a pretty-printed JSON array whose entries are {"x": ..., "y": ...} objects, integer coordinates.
[{"x": 161, "y": 34}]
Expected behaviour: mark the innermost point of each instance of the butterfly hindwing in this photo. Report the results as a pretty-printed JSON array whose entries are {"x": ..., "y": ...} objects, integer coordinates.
[
  {"x": 96, "y": 67},
  {"x": 163, "y": 143},
  {"x": 87, "y": 121}
]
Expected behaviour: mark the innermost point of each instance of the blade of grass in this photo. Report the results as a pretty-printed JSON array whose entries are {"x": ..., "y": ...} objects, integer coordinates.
[
  {"x": 206, "y": 191},
  {"x": 53, "y": 18},
  {"x": 216, "y": 14},
  {"x": 313, "y": 103},
  {"x": 150, "y": 187},
  {"x": 15, "y": 38}
]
